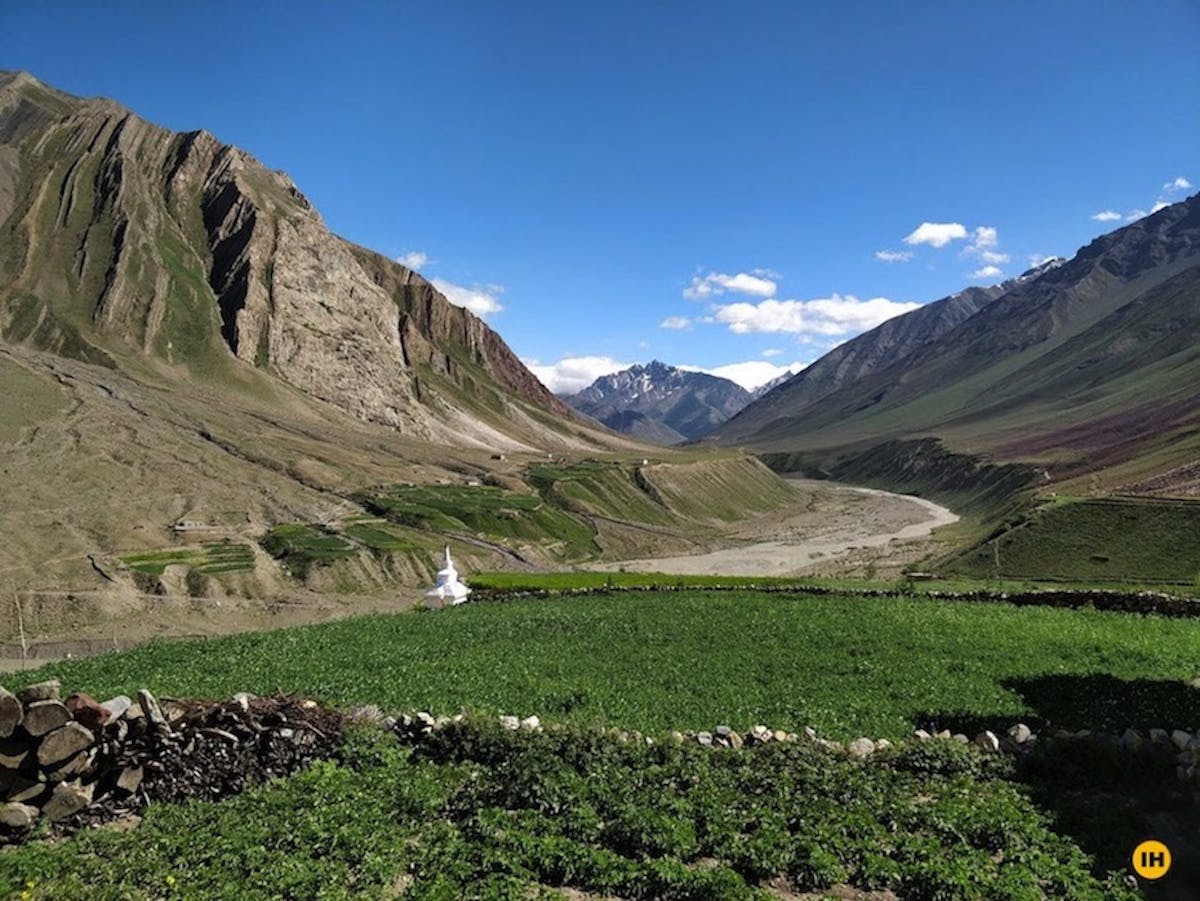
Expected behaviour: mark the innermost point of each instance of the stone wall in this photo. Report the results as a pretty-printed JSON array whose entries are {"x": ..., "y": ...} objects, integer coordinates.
[
  {"x": 74, "y": 762},
  {"x": 1144, "y": 602}
]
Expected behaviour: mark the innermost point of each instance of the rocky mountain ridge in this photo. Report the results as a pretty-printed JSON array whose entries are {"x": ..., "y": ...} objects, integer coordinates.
[
  {"x": 123, "y": 238},
  {"x": 661, "y": 403}
]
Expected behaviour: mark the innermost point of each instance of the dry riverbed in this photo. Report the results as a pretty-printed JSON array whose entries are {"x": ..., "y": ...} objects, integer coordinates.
[{"x": 844, "y": 529}]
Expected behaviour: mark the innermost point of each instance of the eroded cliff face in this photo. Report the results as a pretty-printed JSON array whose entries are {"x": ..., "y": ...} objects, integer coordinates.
[{"x": 122, "y": 236}]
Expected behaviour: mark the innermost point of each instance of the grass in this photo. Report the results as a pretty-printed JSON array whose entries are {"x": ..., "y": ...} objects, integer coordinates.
[
  {"x": 590, "y": 580},
  {"x": 481, "y": 813},
  {"x": 656, "y": 661},
  {"x": 379, "y": 537},
  {"x": 1095, "y": 539},
  {"x": 299, "y": 547},
  {"x": 566, "y": 581},
  {"x": 604, "y": 488},
  {"x": 211, "y": 559},
  {"x": 487, "y": 511}
]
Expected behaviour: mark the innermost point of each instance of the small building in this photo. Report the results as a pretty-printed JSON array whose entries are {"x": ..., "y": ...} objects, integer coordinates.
[{"x": 448, "y": 591}]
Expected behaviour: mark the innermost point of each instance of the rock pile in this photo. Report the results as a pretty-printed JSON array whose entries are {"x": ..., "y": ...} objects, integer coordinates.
[
  {"x": 1019, "y": 739},
  {"x": 74, "y": 762}
]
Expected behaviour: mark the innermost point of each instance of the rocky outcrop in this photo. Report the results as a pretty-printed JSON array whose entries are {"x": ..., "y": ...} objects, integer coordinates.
[{"x": 123, "y": 237}]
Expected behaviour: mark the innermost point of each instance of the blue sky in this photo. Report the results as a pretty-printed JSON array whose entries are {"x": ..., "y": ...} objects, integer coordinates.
[{"x": 709, "y": 184}]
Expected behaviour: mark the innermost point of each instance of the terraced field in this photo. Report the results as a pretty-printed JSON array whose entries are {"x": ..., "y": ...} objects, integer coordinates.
[
  {"x": 212, "y": 559},
  {"x": 485, "y": 511}
]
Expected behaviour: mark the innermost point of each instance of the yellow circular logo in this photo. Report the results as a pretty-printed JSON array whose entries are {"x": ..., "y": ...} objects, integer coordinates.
[{"x": 1151, "y": 860}]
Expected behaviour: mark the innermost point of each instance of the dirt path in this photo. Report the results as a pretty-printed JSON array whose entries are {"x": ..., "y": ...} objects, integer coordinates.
[{"x": 840, "y": 521}]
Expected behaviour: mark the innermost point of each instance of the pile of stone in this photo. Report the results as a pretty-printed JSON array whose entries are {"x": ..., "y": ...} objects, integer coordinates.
[
  {"x": 76, "y": 762},
  {"x": 1018, "y": 739}
]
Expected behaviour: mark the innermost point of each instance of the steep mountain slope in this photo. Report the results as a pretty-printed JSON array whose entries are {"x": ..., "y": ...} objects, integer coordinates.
[
  {"x": 880, "y": 347},
  {"x": 660, "y": 403},
  {"x": 1090, "y": 369},
  {"x": 125, "y": 242},
  {"x": 181, "y": 338}
]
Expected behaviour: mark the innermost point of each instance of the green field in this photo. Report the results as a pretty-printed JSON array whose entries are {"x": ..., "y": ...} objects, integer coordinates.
[
  {"x": 485, "y": 813},
  {"x": 486, "y": 511},
  {"x": 481, "y": 813},
  {"x": 589, "y": 580},
  {"x": 211, "y": 559},
  {"x": 608, "y": 489},
  {"x": 378, "y": 536},
  {"x": 299, "y": 547},
  {"x": 656, "y": 661},
  {"x": 1146, "y": 540}
]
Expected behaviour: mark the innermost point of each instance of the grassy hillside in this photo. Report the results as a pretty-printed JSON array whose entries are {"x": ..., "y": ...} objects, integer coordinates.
[
  {"x": 1088, "y": 371},
  {"x": 1146, "y": 540}
]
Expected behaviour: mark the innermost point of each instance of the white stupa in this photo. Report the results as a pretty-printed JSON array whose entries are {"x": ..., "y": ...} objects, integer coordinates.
[{"x": 448, "y": 589}]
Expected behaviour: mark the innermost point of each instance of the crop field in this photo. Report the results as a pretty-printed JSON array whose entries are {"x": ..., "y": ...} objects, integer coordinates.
[
  {"x": 378, "y": 536},
  {"x": 299, "y": 546},
  {"x": 480, "y": 812},
  {"x": 487, "y": 511},
  {"x": 1096, "y": 539},
  {"x": 211, "y": 559},
  {"x": 594, "y": 580},
  {"x": 847, "y": 666}
]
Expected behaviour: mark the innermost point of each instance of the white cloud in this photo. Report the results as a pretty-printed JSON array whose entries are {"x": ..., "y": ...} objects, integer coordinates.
[
  {"x": 772, "y": 352},
  {"x": 987, "y": 272},
  {"x": 749, "y": 374},
  {"x": 836, "y": 315},
  {"x": 1171, "y": 187},
  {"x": 676, "y": 322},
  {"x": 414, "y": 259},
  {"x": 743, "y": 283},
  {"x": 1135, "y": 215},
  {"x": 982, "y": 245},
  {"x": 986, "y": 236},
  {"x": 936, "y": 234},
  {"x": 572, "y": 374},
  {"x": 1038, "y": 259},
  {"x": 893, "y": 256},
  {"x": 480, "y": 299}
]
